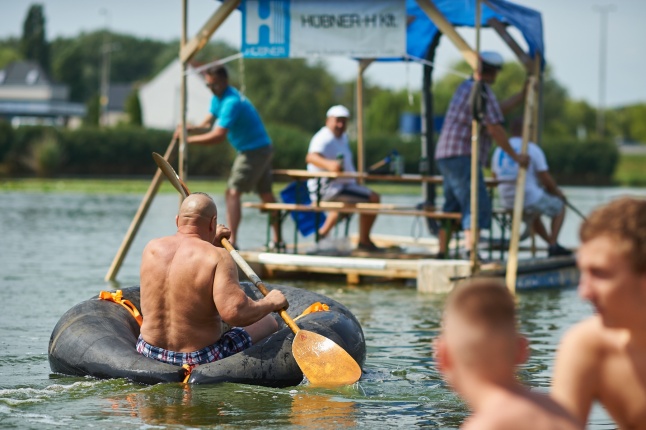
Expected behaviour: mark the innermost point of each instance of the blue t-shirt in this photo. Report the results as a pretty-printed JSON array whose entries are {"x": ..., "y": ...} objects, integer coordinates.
[{"x": 235, "y": 112}]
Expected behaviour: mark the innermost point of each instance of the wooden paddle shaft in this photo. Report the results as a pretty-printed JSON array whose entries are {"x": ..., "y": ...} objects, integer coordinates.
[{"x": 257, "y": 282}]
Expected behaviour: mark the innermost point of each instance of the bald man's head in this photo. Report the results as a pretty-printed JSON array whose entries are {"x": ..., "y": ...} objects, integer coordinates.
[{"x": 197, "y": 208}]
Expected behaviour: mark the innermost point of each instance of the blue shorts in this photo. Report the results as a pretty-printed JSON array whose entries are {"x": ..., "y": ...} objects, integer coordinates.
[
  {"x": 456, "y": 172},
  {"x": 231, "y": 342},
  {"x": 548, "y": 205}
]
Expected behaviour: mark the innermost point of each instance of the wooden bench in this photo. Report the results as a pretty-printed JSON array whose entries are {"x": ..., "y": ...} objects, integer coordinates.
[
  {"x": 283, "y": 209},
  {"x": 355, "y": 208}
]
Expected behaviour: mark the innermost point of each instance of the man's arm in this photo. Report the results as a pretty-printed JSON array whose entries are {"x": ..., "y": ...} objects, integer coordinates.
[
  {"x": 234, "y": 306},
  {"x": 213, "y": 137},
  {"x": 323, "y": 163},
  {"x": 204, "y": 127},
  {"x": 512, "y": 102},
  {"x": 550, "y": 184},
  {"x": 576, "y": 373},
  {"x": 499, "y": 135}
]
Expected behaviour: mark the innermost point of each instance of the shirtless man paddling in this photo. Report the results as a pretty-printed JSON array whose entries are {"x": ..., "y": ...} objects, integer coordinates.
[{"x": 189, "y": 288}]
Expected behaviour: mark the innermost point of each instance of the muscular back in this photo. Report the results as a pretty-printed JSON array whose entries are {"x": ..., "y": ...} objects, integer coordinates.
[{"x": 177, "y": 300}]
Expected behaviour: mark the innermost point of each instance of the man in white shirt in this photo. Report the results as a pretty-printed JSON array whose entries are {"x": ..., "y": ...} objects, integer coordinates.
[
  {"x": 542, "y": 195},
  {"x": 329, "y": 151}
]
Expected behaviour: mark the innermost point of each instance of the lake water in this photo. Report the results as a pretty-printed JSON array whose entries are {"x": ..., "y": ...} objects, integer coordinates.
[{"x": 55, "y": 250}]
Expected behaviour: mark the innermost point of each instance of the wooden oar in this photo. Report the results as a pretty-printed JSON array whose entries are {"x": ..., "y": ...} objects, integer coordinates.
[
  {"x": 321, "y": 360},
  {"x": 576, "y": 211}
]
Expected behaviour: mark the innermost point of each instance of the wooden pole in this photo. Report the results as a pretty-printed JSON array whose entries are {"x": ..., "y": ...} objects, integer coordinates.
[
  {"x": 475, "y": 148},
  {"x": 363, "y": 65},
  {"x": 202, "y": 37},
  {"x": 183, "y": 150},
  {"x": 448, "y": 30},
  {"x": 139, "y": 216},
  {"x": 519, "y": 200},
  {"x": 525, "y": 59}
]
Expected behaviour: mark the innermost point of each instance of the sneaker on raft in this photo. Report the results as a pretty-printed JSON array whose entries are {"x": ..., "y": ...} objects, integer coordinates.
[{"x": 558, "y": 251}]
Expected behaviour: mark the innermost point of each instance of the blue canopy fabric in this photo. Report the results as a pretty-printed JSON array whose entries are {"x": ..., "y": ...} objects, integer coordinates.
[{"x": 422, "y": 30}]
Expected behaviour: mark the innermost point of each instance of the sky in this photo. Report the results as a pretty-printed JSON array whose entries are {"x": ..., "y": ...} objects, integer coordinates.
[{"x": 571, "y": 31}]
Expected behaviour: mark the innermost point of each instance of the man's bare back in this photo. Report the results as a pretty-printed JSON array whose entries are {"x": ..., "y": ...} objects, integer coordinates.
[{"x": 189, "y": 286}]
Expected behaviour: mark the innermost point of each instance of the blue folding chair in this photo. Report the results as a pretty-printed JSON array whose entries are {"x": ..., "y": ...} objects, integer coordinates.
[{"x": 306, "y": 222}]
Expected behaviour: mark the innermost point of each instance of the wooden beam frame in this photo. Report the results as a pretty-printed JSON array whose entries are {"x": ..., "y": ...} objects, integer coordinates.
[
  {"x": 363, "y": 65},
  {"x": 449, "y": 31},
  {"x": 202, "y": 37},
  {"x": 501, "y": 29}
]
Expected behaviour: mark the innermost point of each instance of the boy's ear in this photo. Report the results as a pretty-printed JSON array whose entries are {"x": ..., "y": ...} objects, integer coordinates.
[
  {"x": 522, "y": 351},
  {"x": 441, "y": 355},
  {"x": 177, "y": 220}
]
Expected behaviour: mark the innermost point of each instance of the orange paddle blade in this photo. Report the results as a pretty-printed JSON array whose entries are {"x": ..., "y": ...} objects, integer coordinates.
[{"x": 324, "y": 362}]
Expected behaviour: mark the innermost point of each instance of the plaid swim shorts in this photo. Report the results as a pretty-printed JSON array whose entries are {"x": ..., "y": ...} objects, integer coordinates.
[{"x": 231, "y": 342}]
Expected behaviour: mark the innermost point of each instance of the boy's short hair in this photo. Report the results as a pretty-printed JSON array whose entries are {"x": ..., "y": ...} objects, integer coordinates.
[
  {"x": 624, "y": 220},
  {"x": 483, "y": 302}
]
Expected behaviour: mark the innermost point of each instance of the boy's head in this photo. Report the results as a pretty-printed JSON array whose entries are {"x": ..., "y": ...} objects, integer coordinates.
[
  {"x": 612, "y": 262},
  {"x": 479, "y": 333},
  {"x": 624, "y": 221}
]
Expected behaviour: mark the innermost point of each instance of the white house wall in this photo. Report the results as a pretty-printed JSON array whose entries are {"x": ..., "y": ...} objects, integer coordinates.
[{"x": 160, "y": 98}]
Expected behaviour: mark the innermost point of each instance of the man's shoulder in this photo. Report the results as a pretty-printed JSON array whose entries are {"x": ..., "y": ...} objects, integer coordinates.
[
  {"x": 321, "y": 137},
  {"x": 589, "y": 335}
]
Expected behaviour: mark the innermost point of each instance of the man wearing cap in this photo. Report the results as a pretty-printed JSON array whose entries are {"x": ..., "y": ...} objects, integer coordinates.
[
  {"x": 239, "y": 122},
  {"x": 329, "y": 151},
  {"x": 453, "y": 151}
]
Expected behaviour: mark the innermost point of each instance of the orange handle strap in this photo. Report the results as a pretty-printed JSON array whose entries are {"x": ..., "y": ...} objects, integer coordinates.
[{"x": 117, "y": 297}]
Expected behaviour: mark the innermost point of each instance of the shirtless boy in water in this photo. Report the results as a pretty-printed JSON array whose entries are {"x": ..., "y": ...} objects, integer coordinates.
[
  {"x": 189, "y": 287},
  {"x": 477, "y": 354},
  {"x": 603, "y": 358}
]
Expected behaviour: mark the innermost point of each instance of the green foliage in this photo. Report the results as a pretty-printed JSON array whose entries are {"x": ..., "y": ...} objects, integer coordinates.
[
  {"x": 46, "y": 155},
  {"x": 77, "y": 61},
  {"x": 133, "y": 109},
  {"x": 210, "y": 161},
  {"x": 289, "y": 91},
  {"x": 631, "y": 124},
  {"x": 630, "y": 170},
  {"x": 290, "y": 146},
  {"x": 581, "y": 163},
  {"x": 34, "y": 44},
  {"x": 93, "y": 112},
  {"x": 8, "y": 55},
  {"x": 6, "y": 138},
  {"x": 385, "y": 108}
]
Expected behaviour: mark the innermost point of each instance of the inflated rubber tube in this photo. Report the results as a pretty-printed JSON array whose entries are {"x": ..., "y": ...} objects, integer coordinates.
[{"x": 98, "y": 337}]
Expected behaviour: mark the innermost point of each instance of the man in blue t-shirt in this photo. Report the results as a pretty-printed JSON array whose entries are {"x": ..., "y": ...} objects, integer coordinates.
[{"x": 237, "y": 120}]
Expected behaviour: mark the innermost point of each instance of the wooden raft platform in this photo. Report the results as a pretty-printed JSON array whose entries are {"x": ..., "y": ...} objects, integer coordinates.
[{"x": 412, "y": 262}]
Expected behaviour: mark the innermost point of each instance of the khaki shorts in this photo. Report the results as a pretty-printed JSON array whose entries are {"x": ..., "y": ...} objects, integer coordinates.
[{"x": 251, "y": 171}]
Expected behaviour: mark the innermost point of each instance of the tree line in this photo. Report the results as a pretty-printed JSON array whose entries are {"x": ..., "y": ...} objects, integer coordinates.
[
  {"x": 292, "y": 95},
  {"x": 294, "y": 91}
]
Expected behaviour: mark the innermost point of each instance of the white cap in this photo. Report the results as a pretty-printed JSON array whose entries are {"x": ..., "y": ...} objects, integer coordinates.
[
  {"x": 338, "y": 111},
  {"x": 492, "y": 59}
]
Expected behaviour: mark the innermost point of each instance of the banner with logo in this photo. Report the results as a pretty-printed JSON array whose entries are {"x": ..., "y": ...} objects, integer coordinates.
[{"x": 306, "y": 28}]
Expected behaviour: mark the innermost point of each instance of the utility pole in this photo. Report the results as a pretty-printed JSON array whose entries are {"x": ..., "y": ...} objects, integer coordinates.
[
  {"x": 603, "y": 10},
  {"x": 105, "y": 71}
]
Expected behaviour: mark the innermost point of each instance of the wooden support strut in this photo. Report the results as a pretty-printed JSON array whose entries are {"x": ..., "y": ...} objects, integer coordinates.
[
  {"x": 139, "y": 216},
  {"x": 448, "y": 30},
  {"x": 519, "y": 200},
  {"x": 207, "y": 30},
  {"x": 501, "y": 29}
]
